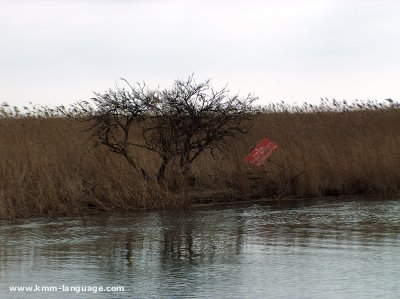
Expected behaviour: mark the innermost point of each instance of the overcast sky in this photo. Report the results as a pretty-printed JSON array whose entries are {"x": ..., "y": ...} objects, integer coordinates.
[{"x": 58, "y": 52}]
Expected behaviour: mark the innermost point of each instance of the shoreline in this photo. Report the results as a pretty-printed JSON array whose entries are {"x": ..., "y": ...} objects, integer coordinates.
[{"x": 210, "y": 204}]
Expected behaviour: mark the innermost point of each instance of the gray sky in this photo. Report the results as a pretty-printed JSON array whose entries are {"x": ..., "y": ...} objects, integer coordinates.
[{"x": 58, "y": 52}]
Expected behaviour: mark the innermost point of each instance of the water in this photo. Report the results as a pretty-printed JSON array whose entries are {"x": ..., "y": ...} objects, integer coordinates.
[{"x": 331, "y": 248}]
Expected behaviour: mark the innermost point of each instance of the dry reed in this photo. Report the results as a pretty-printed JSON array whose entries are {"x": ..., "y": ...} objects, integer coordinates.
[{"x": 49, "y": 166}]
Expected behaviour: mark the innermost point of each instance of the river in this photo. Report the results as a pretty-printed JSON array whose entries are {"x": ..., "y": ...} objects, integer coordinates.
[{"x": 325, "y": 248}]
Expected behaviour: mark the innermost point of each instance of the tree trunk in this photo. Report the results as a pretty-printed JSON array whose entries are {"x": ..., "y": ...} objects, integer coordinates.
[
  {"x": 188, "y": 176},
  {"x": 161, "y": 170},
  {"x": 135, "y": 166}
]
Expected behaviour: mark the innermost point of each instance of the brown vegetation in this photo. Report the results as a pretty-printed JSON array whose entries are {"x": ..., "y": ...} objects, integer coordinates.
[{"x": 49, "y": 166}]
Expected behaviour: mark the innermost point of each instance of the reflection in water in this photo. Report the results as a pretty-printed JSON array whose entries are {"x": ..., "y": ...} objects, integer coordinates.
[{"x": 311, "y": 249}]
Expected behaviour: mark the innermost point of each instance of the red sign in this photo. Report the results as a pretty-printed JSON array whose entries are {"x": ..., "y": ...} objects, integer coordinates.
[{"x": 261, "y": 152}]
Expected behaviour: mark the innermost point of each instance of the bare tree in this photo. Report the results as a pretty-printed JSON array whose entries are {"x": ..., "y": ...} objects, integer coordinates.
[
  {"x": 178, "y": 123},
  {"x": 191, "y": 117}
]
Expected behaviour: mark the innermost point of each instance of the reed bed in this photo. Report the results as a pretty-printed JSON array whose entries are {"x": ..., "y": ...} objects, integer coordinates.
[{"x": 50, "y": 166}]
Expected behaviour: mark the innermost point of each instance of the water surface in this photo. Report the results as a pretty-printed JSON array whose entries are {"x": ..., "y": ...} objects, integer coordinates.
[{"x": 328, "y": 248}]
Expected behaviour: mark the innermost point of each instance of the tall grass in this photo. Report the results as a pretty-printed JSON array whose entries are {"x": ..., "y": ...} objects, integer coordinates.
[{"x": 49, "y": 165}]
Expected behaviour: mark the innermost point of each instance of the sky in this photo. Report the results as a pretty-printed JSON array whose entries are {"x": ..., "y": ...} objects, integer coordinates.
[{"x": 61, "y": 51}]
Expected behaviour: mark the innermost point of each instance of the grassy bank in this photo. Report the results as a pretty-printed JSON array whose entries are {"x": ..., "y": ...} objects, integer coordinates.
[{"x": 49, "y": 166}]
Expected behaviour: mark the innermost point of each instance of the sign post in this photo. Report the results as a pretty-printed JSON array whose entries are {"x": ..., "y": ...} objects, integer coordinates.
[{"x": 261, "y": 152}]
